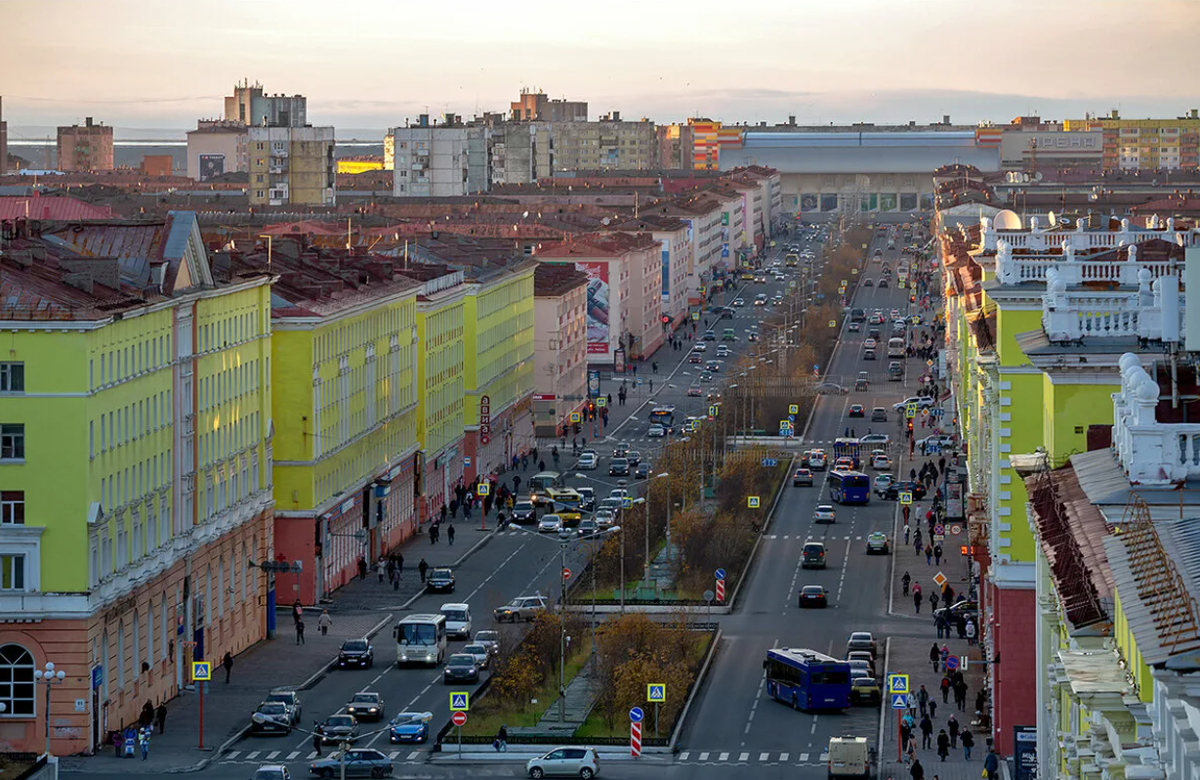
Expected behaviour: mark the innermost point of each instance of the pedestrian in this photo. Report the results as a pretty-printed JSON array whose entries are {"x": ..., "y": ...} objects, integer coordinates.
[
  {"x": 324, "y": 622},
  {"x": 945, "y": 687},
  {"x": 960, "y": 695},
  {"x": 299, "y": 632},
  {"x": 933, "y": 601},
  {"x": 939, "y": 622},
  {"x": 399, "y": 565},
  {"x": 143, "y": 739},
  {"x": 297, "y": 611},
  {"x": 905, "y": 581},
  {"x": 928, "y": 555},
  {"x": 917, "y": 540},
  {"x": 907, "y": 532},
  {"x": 926, "y": 733},
  {"x": 227, "y": 662},
  {"x": 933, "y": 709},
  {"x": 952, "y": 727},
  {"x": 917, "y": 601},
  {"x": 943, "y": 744},
  {"x": 935, "y": 655},
  {"x": 991, "y": 765},
  {"x": 160, "y": 717},
  {"x": 362, "y": 568},
  {"x": 450, "y": 534},
  {"x": 937, "y": 554},
  {"x": 968, "y": 742},
  {"x": 923, "y": 700},
  {"x": 910, "y": 749},
  {"x": 147, "y": 715},
  {"x": 970, "y": 631},
  {"x": 316, "y": 740},
  {"x": 502, "y": 739},
  {"x": 422, "y": 567}
]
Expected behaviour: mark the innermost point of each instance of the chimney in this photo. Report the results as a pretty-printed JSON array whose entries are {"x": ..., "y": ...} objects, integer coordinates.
[
  {"x": 945, "y": 119},
  {"x": 88, "y": 121},
  {"x": 792, "y": 120}
]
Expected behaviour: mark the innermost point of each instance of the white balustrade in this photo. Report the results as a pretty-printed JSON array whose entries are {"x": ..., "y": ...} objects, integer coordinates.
[{"x": 1150, "y": 452}]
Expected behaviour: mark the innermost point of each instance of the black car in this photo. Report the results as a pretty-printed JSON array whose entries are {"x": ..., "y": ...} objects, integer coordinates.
[
  {"x": 273, "y": 719},
  {"x": 339, "y": 728},
  {"x": 356, "y": 652},
  {"x": 957, "y": 614},
  {"x": 440, "y": 580},
  {"x": 896, "y": 488},
  {"x": 460, "y": 666},
  {"x": 524, "y": 512},
  {"x": 642, "y": 471}
]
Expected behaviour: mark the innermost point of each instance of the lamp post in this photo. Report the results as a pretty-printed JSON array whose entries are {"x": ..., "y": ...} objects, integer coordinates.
[{"x": 48, "y": 677}]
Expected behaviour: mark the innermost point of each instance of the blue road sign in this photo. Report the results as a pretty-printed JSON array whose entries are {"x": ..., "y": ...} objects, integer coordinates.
[
  {"x": 899, "y": 701},
  {"x": 791, "y": 418},
  {"x": 952, "y": 662},
  {"x": 656, "y": 692},
  {"x": 785, "y": 431},
  {"x": 636, "y": 715},
  {"x": 897, "y": 683},
  {"x": 720, "y": 574},
  {"x": 770, "y": 462}
]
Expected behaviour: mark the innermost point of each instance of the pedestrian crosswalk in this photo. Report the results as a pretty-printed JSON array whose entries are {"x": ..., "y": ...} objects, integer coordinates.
[
  {"x": 710, "y": 757},
  {"x": 251, "y": 756},
  {"x": 812, "y": 539}
]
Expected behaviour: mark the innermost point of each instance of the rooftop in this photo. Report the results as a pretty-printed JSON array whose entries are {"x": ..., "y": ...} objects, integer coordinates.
[
  {"x": 555, "y": 279},
  {"x": 599, "y": 245}
]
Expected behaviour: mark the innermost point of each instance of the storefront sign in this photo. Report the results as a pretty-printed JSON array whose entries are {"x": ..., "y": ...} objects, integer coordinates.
[{"x": 485, "y": 419}]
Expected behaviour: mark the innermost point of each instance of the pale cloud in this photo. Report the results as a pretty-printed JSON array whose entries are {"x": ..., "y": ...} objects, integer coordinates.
[{"x": 374, "y": 63}]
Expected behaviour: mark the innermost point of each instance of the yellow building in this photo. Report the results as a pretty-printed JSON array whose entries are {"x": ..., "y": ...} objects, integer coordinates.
[
  {"x": 1145, "y": 144},
  {"x": 292, "y": 166},
  {"x": 345, "y": 412},
  {"x": 359, "y": 165},
  {"x": 135, "y": 466}
]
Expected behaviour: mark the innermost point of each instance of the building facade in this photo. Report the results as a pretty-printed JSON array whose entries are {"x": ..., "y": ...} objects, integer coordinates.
[
  {"x": 1145, "y": 144},
  {"x": 292, "y": 166},
  {"x": 674, "y": 236},
  {"x": 217, "y": 147},
  {"x": 521, "y": 153},
  {"x": 440, "y": 161},
  {"x": 538, "y": 107},
  {"x": 128, "y": 550},
  {"x": 611, "y": 143},
  {"x": 249, "y": 105},
  {"x": 87, "y": 147},
  {"x": 709, "y": 246},
  {"x": 560, "y": 345}
]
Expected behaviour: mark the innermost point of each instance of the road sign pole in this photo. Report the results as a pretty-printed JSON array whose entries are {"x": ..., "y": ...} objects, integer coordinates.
[
  {"x": 202, "y": 686},
  {"x": 460, "y": 743},
  {"x": 899, "y": 735},
  {"x": 656, "y": 720}
]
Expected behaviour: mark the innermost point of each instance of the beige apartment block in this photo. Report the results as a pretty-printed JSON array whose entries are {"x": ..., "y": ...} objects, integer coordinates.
[{"x": 292, "y": 166}]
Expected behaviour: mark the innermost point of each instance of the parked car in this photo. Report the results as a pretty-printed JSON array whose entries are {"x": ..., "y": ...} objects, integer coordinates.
[
  {"x": 802, "y": 478},
  {"x": 862, "y": 640},
  {"x": 290, "y": 700},
  {"x": 342, "y": 727},
  {"x": 865, "y": 690},
  {"x": 863, "y": 659},
  {"x": 409, "y": 727},
  {"x": 440, "y": 580},
  {"x": 521, "y": 608},
  {"x": 813, "y": 596},
  {"x": 271, "y": 718},
  {"x": 581, "y": 762},
  {"x": 460, "y": 667},
  {"x": 366, "y": 705},
  {"x": 958, "y": 613},
  {"x": 356, "y": 652},
  {"x": 358, "y": 762}
]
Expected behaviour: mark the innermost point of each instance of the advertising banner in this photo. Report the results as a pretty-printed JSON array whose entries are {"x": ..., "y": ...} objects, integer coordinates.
[
  {"x": 211, "y": 166},
  {"x": 887, "y": 201},
  {"x": 908, "y": 201},
  {"x": 666, "y": 270},
  {"x": 597, "y": 307},
  {"x": 808, "y": 203},
  {"x": 1025, "y": 752},
  {"x": 829, "y": 202}
]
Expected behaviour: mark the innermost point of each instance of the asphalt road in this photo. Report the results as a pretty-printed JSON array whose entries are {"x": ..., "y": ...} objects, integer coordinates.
[{"x": 512, "y": 564}]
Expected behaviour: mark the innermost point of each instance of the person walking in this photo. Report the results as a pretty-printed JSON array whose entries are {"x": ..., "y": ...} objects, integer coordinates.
[
  {"x": 324, "y": 623},
  {"x": 970, "y": 630},
  {"x": 910, "y": 748},
  {"x": 945, "y": 687},
  {"x": 300, "y": 632},
  {"x": 362, "y": 568},
  {"x": 939, "y": 622},
  {"x": 943, "y": 744},
  {"x": 502, "y": 739},
  {"x": 143, "y": 739},
  {"x": 450, "y": 534},
  {"x": 316, "y": 740},
  {"x": 422, "y": 567},
  {"x": 905, "y": 581},
  {"x": 933, "y": 601},
  {"x": 926, "y": 733},
  {"x": 960, "y": 695},
  {"x": 991, "y": 765},
  {"x": 380, "y": 568},
  {"x": 933, "y": 709},
  {"x": 935, "y": 654},
  {"x": 937, "y": 554},
  {"x": 968, "y": 742},
  {"x": 907, "y": 533},
  {"x": 297, "y": 611},
  {"x": 160, "y": 717},
  {"x": 917, "y": 601},
  {"x": 952, "y": 727},
  {"x": 227, "y": 663},
  {"x": 928, "y": 555},
  {"x": 923, "y": 700}
]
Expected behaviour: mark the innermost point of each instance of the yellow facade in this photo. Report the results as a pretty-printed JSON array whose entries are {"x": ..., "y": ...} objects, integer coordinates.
[
  {"x": 441, "y": 332},
  {"x": 498, "y": 316},
  {"x": 345, "y": 399},
  {"x": 359, "y": 166}
]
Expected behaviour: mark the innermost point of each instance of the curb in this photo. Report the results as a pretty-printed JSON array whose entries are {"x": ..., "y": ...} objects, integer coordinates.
[
  {"x": 241, "y": 733},
  {"x": 758, "y": 541},
  {"x": 471, "y": 551},
  {"x": 681, "y": 721},
  {"x": 883, "y": 711}
]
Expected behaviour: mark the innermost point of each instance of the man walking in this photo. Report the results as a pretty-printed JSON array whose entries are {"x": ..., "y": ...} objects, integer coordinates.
[
  {"x": 422, "y": 567},
  {"x": 926, "y": 733},
  {"x": 450, "y": 534},
  {"x": 952, "y": 727},
  {"x": 227, "y": 663},
  {"x": 160, "y": 717},
  {"x": 923, "y": 700},
  {"x": 299, "y": 632}
]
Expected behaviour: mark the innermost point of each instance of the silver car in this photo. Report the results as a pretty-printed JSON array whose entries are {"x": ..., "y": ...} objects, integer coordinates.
[
  {"x": 582, "y": 762},
  {"x": 360, "y": 762}
]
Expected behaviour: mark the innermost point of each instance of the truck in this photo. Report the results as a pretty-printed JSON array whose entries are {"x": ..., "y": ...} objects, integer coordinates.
[{"x": 849, "y": 757}]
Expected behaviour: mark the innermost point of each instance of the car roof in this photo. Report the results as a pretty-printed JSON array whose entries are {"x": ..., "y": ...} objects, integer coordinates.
[{"x": 455, "y": 605}]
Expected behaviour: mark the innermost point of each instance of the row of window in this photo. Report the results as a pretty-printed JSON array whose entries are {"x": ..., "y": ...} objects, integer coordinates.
[
  {"x": 129, "y": 423},
  {"x": 229, "y": 384},
  {"x": 121, "y": 363},
  {"x": 230, "y": 437},
  {"x": 348, "y": 474},
  {"x": 232, "y": 329},
  {"x": 116, "y": 544},
  {"x": 135, "y": 482},
  {"x": 229, "y": 485},
  {"x": 373, "y": 328}
]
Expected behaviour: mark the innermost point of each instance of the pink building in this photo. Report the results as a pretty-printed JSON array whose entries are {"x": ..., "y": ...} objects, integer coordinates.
[
  {"x": 624, "y": 295},
  {"x": 675, "y": 238},
  {"x": 560, "y": 345}
]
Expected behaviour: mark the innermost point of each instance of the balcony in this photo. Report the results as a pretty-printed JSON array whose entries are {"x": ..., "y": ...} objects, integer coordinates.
[
  {"x": 1155, "y": 311},
  {"x": 1073, "y": 273}
]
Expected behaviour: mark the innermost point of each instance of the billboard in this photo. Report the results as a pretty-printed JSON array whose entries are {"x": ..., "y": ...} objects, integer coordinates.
[
  {"x": 211, "y": 166},
  {"x": 908, "y": 201},
  {"x": 829, "y": 202},
  {"x": 887, "y": 201},
  {"x": 808, "y": 203},
  {"x": 598, "y": 309}
]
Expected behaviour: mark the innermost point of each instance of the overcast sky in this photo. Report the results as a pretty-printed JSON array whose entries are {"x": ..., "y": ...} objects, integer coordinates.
[{"x": 371, "y": 64}]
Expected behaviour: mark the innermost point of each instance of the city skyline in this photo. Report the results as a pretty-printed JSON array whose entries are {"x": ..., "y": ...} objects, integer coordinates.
[{"x": 766, "y": 64}]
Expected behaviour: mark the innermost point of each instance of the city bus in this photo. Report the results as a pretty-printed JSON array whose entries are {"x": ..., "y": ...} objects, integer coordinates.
[
  {"x": 420, "y": 639},
  {"x": 849, "y": 487},
  {"x": 897, "y": 348},
  {"x": 807, "y": 680},
  {"x": 663, "y": 415},
  {"x": 847, "y": 448}
]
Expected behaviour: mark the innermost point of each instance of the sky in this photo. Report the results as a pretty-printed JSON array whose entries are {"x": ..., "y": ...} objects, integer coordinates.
[{"x": 366, "y": 65}]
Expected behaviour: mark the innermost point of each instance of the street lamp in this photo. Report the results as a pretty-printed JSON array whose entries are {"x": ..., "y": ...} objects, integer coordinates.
[
  {"x": 563, "y": 542},
  {"x": 48, "y": 677}
]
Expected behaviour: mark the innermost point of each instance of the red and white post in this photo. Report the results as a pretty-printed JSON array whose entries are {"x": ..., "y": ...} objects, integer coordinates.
[
  {"x": 721, "y": 591},
  {"x": 635, "y": 739}
]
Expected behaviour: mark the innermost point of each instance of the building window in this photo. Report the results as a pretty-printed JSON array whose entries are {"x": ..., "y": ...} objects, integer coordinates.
[
  {"x": 16, "y": 681},
  {"x": 12, "y": 441},
  {"x": 12, "y": 507},
  {"x": 12, "y": 377},
  {"x": 12, "y": 574}
]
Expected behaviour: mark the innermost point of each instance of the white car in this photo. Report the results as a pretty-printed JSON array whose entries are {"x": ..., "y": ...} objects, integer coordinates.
[
  {"x": 881, "y": 463},
  {"x": 550, "y": 524},
  {"x": 569, "y": 761},
  {"x": 739, "y": 301},
  {"x": 700, "y": 347},
  {"x": 921, "y": 402},
  {"x": 656, "y": 431},
  {"x": 874, "y": 438},
  {"x": 940, "y": 439},
  {"x": 824, "y": 514},
  {"x": 588, "y": 461}
]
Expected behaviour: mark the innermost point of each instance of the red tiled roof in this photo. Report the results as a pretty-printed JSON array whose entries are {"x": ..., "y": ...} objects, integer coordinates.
[{"x": 51, "y": 208}]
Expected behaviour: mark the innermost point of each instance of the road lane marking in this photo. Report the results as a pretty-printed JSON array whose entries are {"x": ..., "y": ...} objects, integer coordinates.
[
  {"x": 684, "y": 756},
  {"x": 274, "y": 754},
  {"x": 803, "y": 757},
  {"x": 704, "y": 756},
  {"x": 743, "y": 757},
  {"x": 496, "y": 570},
  {"x": 252, "y": 756},
  {"x": 233, "y": 754},
  {"x": 763, "y": 756},
  {"x": 312, "y": 755},
  {"x": 293, "y": 755},
  {"x": 723, "y": 757},
  {"x": 393, "y": 754},
  {"x": 783, "y": 756}
]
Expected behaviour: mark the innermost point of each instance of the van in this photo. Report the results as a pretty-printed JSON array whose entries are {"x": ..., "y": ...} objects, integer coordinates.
[
  {"x": 849, "y": 757},
  {"x": 896, "y": 347},
  {"x": 546, "y": 479},
  {"x": 458, "y": 620},
  {"x": 813, "y": 556}
]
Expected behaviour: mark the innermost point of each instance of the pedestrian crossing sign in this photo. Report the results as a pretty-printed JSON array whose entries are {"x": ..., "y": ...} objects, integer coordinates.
[
  {"x": 459, "y": 701},
  {"x": 201, "y": 670},
  {"x": 793, "y": 408},
  {"x": 910, "y": 410},
  {"x": 626, "y": 502},
  {"x": 484, "y": 488},
  {"x": 752, "y": 502},
  {"x": 574, "y": 417},
  {"x": 656, "y": 692},
  {"x": 602, "y": 402},
  {"x": 898, "y": 683},
  {"x": 899, "y": 701},
  {"x": 905, "y": 499}
]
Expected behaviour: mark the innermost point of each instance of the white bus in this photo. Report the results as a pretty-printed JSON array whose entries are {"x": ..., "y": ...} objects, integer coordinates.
[
  {"x": 420, "y": 639},
  {"x": 897, "y": 348}
]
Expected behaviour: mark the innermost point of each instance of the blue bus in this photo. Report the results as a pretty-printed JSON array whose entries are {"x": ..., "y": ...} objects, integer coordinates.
[
  {"x": 846, "y": 448},
  {"x": 807, "y": 680},
  {"x": 850, "y": 487}
]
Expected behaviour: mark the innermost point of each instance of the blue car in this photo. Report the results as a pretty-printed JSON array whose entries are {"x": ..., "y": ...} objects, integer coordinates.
[{"x": 409, "y": 727}]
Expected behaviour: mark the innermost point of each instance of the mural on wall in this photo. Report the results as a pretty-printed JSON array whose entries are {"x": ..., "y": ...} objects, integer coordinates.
[{"x": 598, "y": 331}]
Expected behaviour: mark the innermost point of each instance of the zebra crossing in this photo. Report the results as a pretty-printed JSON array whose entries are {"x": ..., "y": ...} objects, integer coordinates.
[
  {"x": 238, "y": 756},
  {"x": 808, "y": 538},
  {"x": 770, "y": 758}
]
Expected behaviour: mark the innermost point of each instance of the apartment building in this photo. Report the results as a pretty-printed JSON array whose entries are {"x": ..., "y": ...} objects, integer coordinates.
[
  {"x": 217, "y": 147},
  {"x": 704, "y": 216},
  {"x": 135, "y": 467},
  {"x": 1145, "y": 144},
  {"x": 250, "y": 105},
  {"x": 521, "y": 153},
  {"x": 611, "y": 143},
  {"x": 560, "y": 345},
  {"x": 87, "y": 147},
  {"x": 344, "y": 407},
  {"x": 536, "y": 106},
  {"x": 678, "y": 256},
  {"x": 440, "y": 161},
  {"x": 292, "y": 166}
]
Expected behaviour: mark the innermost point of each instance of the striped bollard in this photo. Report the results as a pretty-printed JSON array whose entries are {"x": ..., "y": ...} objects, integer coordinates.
[
  {"x": 721, "y": 591},
  {"x": 635, "y": 739}
]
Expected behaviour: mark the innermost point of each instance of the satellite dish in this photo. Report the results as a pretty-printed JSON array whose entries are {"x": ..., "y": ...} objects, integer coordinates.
[
  {"x": 1037, "y": 176},
  {"x": 525, "y": 215},
  {"x": 604, "y": 221},
  {"x": 1053, "y": 218}
]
